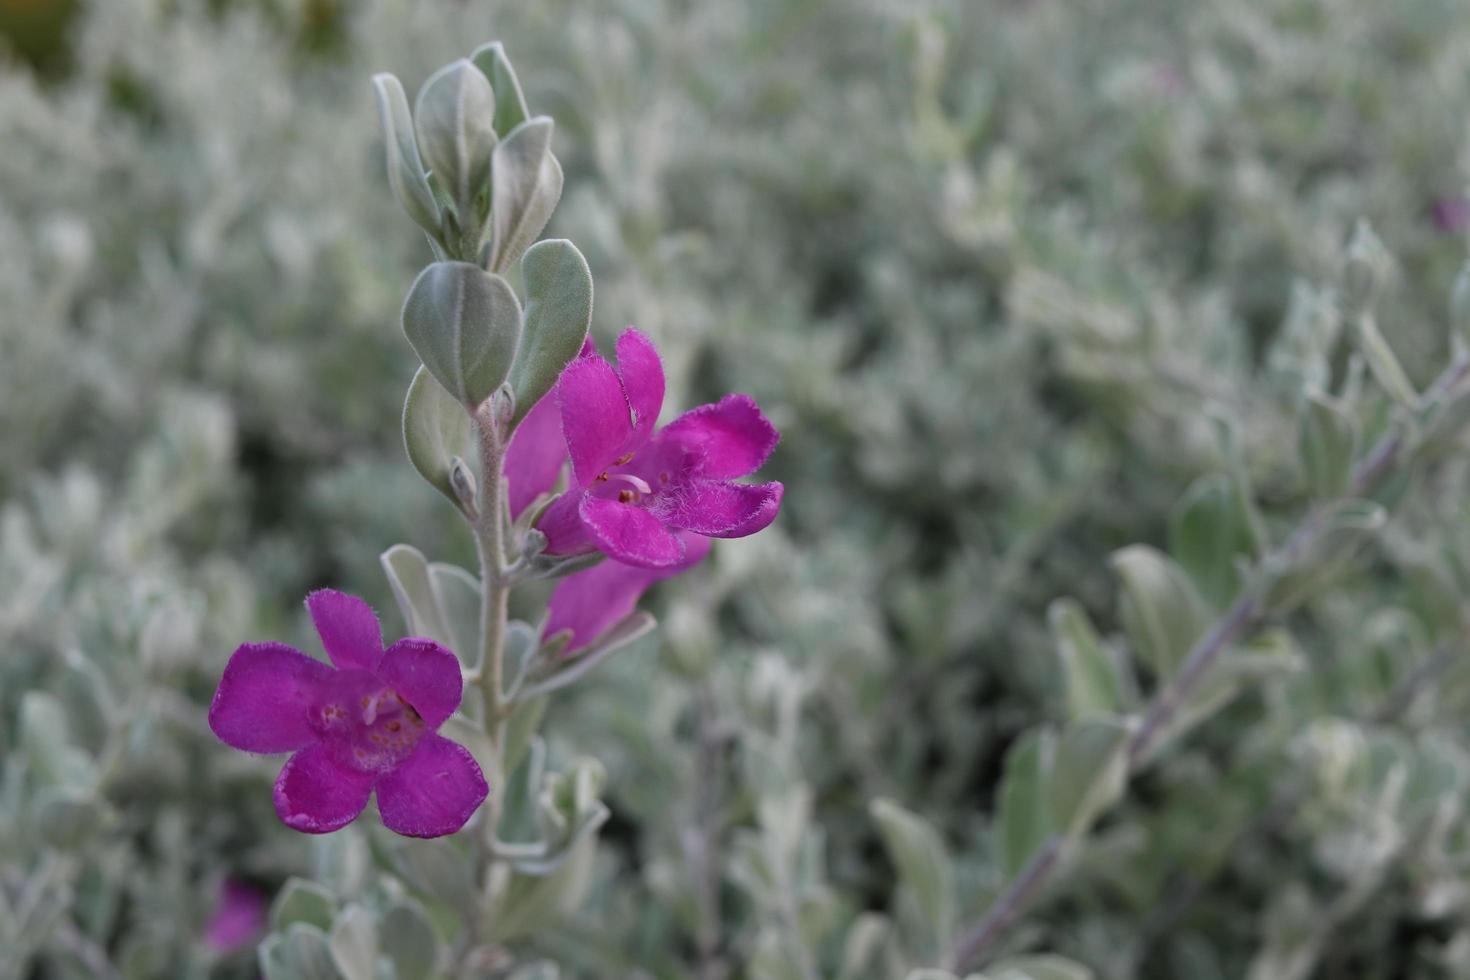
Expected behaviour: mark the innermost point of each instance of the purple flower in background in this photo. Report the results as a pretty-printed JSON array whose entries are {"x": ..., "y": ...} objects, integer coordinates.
[
  {"x": 590, "y": 602},
  {"x": 633, "y": 489},
  {"x": 239, "y": 917},
  {"x": 367, "y": 723},
  {"x": 1451, "y": 214}
]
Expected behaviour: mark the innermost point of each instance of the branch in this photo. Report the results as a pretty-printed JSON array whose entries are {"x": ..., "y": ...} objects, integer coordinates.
[{"x": 1243, "y": 616}]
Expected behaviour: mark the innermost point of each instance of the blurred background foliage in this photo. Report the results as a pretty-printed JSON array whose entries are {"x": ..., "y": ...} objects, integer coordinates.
[{"x": 1001, "y": 271}]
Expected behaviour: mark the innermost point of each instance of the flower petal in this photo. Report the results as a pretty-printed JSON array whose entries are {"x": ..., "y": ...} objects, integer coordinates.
[
  {"x": 589, "y": 602},
  {"x": 563, "y": 527},
  {"x": 263, "y": 697},
  {"x": 348, "y": 628},
  {"x": 434, "y": 792},
  {"x": 427, "y": 675},
  {"x": 534, "y": 459},
  {"x": 594, "y": 416},
  {"x": 730, "y": 438},
  {"x": 239, "y": 917},
  {"x": 630, "y": 534},
  {"x": 643, "y": 379},
  {"x": 721, "y": 510},
  {"x": 316, "y": 795}
]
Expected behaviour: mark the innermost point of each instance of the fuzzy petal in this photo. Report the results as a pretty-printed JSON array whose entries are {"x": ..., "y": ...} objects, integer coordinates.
[
  {"x": 262, "y": 700},
  {"x": 643, "y": 379},
  {"x": 348, "y": 628},
  {"x": 630, "y": 534},
  {"x": 589, "y": 602},
  {"x": 562, "y": 525},
  {"x": 594, "y": 416},
  {"x": 426, "y": 675},
  {"x": 537, "y": 451},
  {"x": 316, "y": 795},
  {"x": 434, "y": 792},
  {"x": 730, "y": 438},
  {"x": 723, "y": 510}
]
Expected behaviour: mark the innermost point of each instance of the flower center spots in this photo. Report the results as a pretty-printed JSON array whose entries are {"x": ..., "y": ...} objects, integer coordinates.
[
  {"x": 369, "y": 725},
  {"x": 637, "y": 483}
]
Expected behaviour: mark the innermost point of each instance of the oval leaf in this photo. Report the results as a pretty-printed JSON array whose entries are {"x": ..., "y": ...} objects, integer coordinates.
[
  {"x": 1025, "y": 821},
  {"x": 1162, "y": 614},
  {"x": 464, "y": 323},
  {"x": 1094, "y": 677},
  {"x": 1090, "y": 772},
  {"x": 923, "y": 864},
  {"x": 558, "y": 313},
  {"x": 436, "y": 428},
  {"x": 455, "y": 117},
  {"x": 525, "y": 186}
]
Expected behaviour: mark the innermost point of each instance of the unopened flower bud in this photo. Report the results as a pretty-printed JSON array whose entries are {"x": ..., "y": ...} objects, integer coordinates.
[
  {"x": 1361, "y": 273},
  {"x": 463, "y": 482}
]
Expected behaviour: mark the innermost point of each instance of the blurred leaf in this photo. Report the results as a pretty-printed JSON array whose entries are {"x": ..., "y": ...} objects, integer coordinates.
[
  {"x": 305, "y": 902},
  {"x": 46, "y": 737},
  {"x": 1094, "y": 684},
  {"x": 1327, "y": 441},
  {"x": 1209, "y": 536},
  {"x": 409, "y": 941},
  {"x": 1344, "y": 528},
  {"x": 1090, "y": 772},
  {"x": 301, "y": 953},
  {"x": 923, "y": 863},
  {"x": 354, "y": 944},
  {"x": 1045, "y": 967},
  {"x": 1025, "y": 819},
  {"x": 1161, "y": 612}
]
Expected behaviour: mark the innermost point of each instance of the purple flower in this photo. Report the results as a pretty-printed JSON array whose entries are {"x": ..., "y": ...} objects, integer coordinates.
[
  {"x": 239, "y": 917},
  {"x": 1450, "y": 214},
  {"x": 633, "y": 489},
  {"x": 590, "y": 602},
  {"x": 369, "y": 723}
]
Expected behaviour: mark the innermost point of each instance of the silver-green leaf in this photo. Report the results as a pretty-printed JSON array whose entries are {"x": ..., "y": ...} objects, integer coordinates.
[
  {"x": 436, "y": 429},
  {"x": 1093, "y": 675},
  {"x": 923, "y": 863},
  {"x": 455, "y": 118},
  {"x": 1161, "y": 611},
  {"x": 405, "y": 169},
  {"x": 510, "y": 103},
  {"x": 525, "y": 186},
  {"x": 464, "y": 323},
  {"x": 1090, "y": 772},
  {"x": 557, "y": 315},
  {"x": 1025, "y": 820}
]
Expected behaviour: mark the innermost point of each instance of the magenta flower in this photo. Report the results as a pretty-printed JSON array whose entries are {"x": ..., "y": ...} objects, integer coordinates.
[
  {"x": 633, "y": 489},
  {"x": 1450, "y": 214},
  {"x": 239, "y": 917},
  {"x": 369, "y": 723},
  {"x": 592, "y": 601}
]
